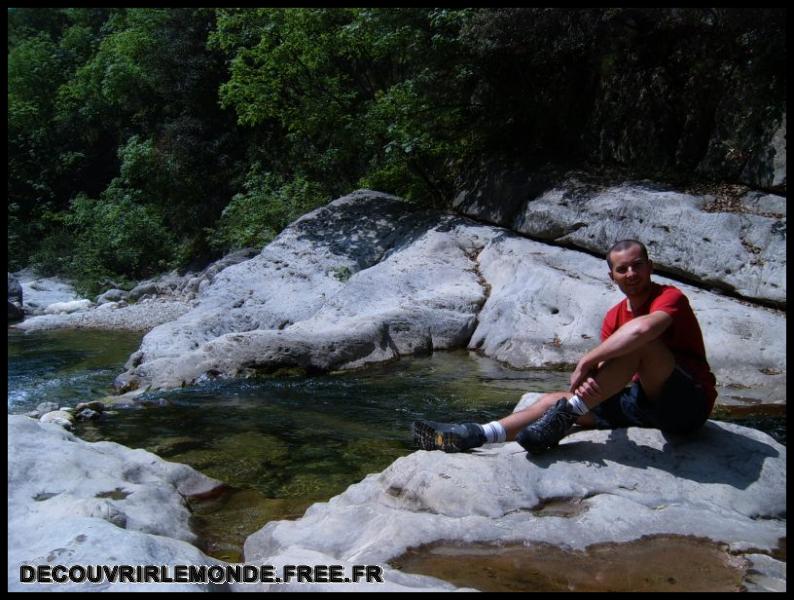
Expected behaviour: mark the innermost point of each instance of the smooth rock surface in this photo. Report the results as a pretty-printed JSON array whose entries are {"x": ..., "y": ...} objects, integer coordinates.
[
  {"x": 58, "y": 417},
  {"x": 370, "y": 278},
  {"x": 75, "y": 502},
  {"x": 67, "y": 307},
  {"x": 546, "y": 306},
  {"x": 322, "y": 298},
  {"x": 738, "y": 248},
  {"x": 726, "y": 483}
]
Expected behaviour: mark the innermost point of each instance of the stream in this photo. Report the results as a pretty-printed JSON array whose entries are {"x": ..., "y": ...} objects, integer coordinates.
[{"x": 280, "y": 443}]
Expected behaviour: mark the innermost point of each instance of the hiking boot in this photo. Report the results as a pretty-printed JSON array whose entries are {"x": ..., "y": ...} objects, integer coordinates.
[
  {"x": 449, "y": 437},
  {"x": 549, "y": 429}
]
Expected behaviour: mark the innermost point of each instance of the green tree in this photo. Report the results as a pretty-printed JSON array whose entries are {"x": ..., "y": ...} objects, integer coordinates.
[
  {"x": 268, "y": 204},
  {"x": 102, "y": 79},
  {"x": 372, "y": 96}
]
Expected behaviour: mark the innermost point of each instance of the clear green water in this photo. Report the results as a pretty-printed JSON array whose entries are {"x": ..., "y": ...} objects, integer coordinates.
[
  {"x": 285, "y": 443},
  {"x": 64, "y": 366},
  {"x": 280, "y": 443}
]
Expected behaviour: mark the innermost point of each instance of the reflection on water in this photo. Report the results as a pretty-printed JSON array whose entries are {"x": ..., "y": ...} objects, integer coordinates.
[{"x": 280, "y": 443}]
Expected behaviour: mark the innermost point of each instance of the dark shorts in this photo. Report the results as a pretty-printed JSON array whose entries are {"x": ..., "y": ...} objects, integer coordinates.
[{"x": 680, "y": 408}]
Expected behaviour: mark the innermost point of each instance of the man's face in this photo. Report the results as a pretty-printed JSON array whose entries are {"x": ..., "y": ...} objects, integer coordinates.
[{"x": 631, "y": 271}]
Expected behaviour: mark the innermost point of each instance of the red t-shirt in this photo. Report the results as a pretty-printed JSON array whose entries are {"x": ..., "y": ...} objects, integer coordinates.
[{"x": 683, "y": 337}]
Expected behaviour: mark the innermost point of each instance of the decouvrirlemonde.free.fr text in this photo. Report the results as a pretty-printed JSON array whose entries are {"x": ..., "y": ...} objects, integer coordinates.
[{"x": 200, "y": 574}]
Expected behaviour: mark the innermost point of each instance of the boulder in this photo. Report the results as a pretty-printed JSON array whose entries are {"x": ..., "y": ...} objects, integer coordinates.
[
  {"x": 95, "y": 405},
  {"x": 14, "y": 290},
  {"x": 736, "y": 244},
  {"x": 767, "y": 168},
  {"x": 45, "y": 407},
  {"x": 725, "y": 483},
  {"x": 41, "y": 292},
  {"x": 59, "y": 417},
  {"x": 194, "y": 283},
  {"x": 154, "y": 301},
  {"x": 449, "y": 282},
  {"x": 15, "y": 312},
  {"x": 291, "y": 280},
  {"x": 546, "y": 306},
  {"x": 186, "y": 286},
  {"x": 75, "y": 502},
  {"x": 67, "y": 307},
  {"x": 112, "y": 295}
]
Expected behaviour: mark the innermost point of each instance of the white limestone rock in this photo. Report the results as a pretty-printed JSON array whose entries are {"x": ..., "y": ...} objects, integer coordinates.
[
  {"x": 546, "y": 306},
  {"x": 737, "y": 250},
  {"x": 365, "y": 279},
  {"x": 67, "y": 307},
  {"x": 736, "y": 244},
  {"x": 726, "y": 483},
  {"x": 40, "y": 292},
  {"x": 335, "y": 290},
  {"x": 75, "y": 502},
  {"x": 59, "y": 417},
  {"x": 141, "y": 316},
  {"x": 766, "y": 574}
]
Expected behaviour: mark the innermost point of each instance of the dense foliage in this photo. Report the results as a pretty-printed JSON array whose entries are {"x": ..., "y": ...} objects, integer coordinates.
[{"x": 144, "y": 139}]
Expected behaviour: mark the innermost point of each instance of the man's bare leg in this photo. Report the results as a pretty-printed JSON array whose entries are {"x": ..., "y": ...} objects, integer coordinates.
[
  {"x": 611, "y": 378},
  {"x": 514, "y": 423},
  {"x": 654, "y": 363}
]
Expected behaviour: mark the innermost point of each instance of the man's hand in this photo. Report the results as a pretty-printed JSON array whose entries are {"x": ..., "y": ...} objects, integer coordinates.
[{"x": 583, "y": 384}]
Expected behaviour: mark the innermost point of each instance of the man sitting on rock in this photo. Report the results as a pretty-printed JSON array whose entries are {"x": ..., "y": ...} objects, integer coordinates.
[{"x": 650, "y": 341}]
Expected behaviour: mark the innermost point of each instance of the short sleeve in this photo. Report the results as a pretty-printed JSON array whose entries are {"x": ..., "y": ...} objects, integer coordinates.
[
  {"x": 609, "y": 325},
  {"x": 671, "y": 301}
]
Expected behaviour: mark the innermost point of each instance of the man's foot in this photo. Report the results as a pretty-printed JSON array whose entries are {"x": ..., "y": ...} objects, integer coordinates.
[
  {"x": 449, "y": 437},
  {"x": 549, "y": 429}
]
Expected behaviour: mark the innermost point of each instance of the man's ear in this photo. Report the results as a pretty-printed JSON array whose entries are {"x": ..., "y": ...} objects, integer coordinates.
[
  {"x": 610, "y": 275},
  {"x": 650, "y": 264}
]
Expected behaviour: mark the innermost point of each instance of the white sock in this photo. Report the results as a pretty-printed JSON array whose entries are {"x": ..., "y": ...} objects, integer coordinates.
[
  {"x": 494, "y": 432},
  {"x": 578, "y": 406}
]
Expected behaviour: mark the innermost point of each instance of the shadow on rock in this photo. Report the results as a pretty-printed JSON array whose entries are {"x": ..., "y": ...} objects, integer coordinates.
[
  {"x": 714, "y": 454},
  {"x": 393, "y": 223}
]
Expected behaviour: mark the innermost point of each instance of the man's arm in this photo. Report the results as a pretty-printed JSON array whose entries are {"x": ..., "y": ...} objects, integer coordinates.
[{"x": 631, "y": 336}]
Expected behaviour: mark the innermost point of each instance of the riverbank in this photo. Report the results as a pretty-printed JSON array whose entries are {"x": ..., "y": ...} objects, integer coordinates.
[{"x": 368, "y": 280}]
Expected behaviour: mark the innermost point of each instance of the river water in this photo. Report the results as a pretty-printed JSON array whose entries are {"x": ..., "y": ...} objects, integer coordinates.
[{"x": 280, "y": 443}]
